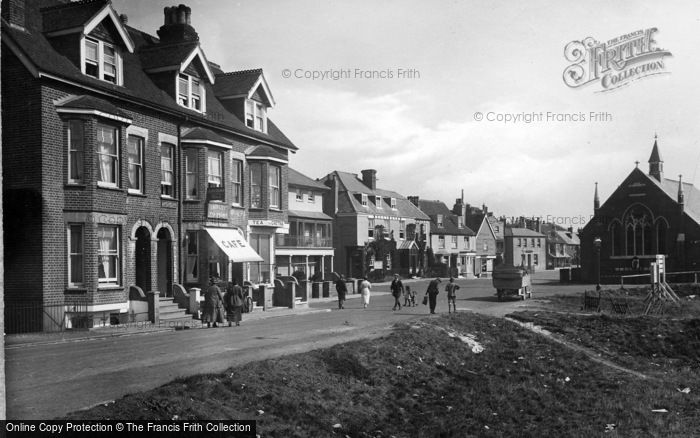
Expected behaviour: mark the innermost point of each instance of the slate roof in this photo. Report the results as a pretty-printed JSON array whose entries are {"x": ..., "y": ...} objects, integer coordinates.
[
  {"x": 691, "y": 195},
  {"x": 522, "y": 232},
  {"x": 557, "y": 234},
  {"x": 309, "y": 215},
  {"x": 263, "y": 151},
  {"x": 497, "y": 223},
  {"x": 349, "y": 201},
  {"x": 90, "y": 102},
  {"x": 165, "y": 55},
  {"x": 236, "y": 83},
  {"x": 298, "y": 179},
  {"x": 474, "y": 221},
  {"x": 138, "y": 85},
  {"x": 450, "y": 221},
  {"x": 199, "y": 133},
  {"x": 70, "y": 15}
]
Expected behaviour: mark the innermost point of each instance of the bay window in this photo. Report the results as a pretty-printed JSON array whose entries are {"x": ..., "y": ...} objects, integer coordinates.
[
  {"x": 275, "y": 183},
  {"x": 108, "y": 254},
  {"x": 75, "y": 255},
  {"x": 108, "y": 155},
  {"x": 256, "y": 178},
  {"x": 76, "y": 150}
]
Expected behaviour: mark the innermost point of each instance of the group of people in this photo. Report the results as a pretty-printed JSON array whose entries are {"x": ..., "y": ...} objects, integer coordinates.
[
  {"x": 398, "y": 290},
  {"x": 219, "y": 306}
]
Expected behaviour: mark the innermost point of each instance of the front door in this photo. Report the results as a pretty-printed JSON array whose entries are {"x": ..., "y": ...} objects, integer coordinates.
[
  {"x": 142, "y": 259},
  {"x": 165, "y": 263}
]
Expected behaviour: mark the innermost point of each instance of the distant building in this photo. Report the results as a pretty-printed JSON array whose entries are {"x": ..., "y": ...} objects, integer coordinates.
[
  {"x": 485, "y": 239},
  {"x": 647, "y": 214},
  {"x": 453, "y": 243},
  {"x": 498, "y": 226},
  {"x": 526, "y": 248},
  {"x": 308, "y": 247},
  {"x": 376, "y": 232},
  {"x": 563, "y": 246}
]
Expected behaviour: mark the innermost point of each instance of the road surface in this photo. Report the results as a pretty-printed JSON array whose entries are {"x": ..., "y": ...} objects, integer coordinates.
[{"x": 50, "y": 380}]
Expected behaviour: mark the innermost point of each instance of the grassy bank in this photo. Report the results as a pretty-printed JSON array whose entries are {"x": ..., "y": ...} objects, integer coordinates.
[{"x": 424, "y": 381}]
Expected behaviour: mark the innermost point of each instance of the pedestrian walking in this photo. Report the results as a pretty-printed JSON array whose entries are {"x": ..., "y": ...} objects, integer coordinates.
[
  {"x": 396, "y": 291},
  {"x": 451, "y": 289},
  {"x": 407, "y": 296},
  {"x": 213, "y": 304},
  {"x": 432, "y": 293},
  {"x": 233, "y": 303},
  {"x": 365, "y": 287},
  {"x": 342, "y": 290}
]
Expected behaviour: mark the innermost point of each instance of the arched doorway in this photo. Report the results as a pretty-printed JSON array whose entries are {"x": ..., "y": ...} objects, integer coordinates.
[
  {"x": 165, "y": 263},
  {"x": 142, "y": 258}
]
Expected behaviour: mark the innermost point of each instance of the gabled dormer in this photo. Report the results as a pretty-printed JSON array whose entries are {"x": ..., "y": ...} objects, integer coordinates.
[
  {"x": 247, "y": 95},
  {"x": 92, "y": 35},
  {"x": 177, "y": 63}
]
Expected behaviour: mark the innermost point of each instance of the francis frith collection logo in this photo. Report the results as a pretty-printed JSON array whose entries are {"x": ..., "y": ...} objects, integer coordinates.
[{"x": 616, "y": 62}]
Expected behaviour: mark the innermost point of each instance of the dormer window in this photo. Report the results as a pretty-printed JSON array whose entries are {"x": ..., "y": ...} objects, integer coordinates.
[
  {"x": 101, "y": 61},
  {"x": 364, "y": 200},
  {"x": 393, "y": 203},
  {"x": 439, "y": 221},
  {"x": 378, "y": 201},
  {"x": 255, "y": 117},
  {"x": 190, "y": 92},
  {"x": 460, "y": 220}
]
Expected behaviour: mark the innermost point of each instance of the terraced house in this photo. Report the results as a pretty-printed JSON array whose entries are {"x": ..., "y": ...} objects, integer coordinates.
[{"x": 132, "y": 165}]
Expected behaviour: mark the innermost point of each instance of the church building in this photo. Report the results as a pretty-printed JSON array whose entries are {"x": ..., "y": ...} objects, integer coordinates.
[{"x": 646, "y": 215}]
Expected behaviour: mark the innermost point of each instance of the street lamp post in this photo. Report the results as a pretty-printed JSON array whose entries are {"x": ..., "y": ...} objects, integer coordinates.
[{"x": 596, "y": 243}]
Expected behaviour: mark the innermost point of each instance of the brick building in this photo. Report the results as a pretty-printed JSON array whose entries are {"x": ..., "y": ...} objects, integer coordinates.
[
  {"x": 486, "y": 243},
  {"x": 646, "y": 215},
  {"x": 131, "y": 163},
  {"x": 525, "y": 247},
  {"x": 453, "y": 243},
  {"x": 376, "y": 232}
]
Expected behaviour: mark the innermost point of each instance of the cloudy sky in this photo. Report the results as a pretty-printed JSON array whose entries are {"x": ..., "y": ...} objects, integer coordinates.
[{"x": 461, "y": 57}]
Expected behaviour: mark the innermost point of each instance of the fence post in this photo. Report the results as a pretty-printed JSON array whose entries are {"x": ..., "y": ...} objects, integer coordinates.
[
  {"x": 695, "y": 275},
  {"x": 622, "y": 282}
]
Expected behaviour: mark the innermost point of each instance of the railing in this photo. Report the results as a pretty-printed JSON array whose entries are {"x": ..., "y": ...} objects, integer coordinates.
[
  {"x": 689, "y": 274},
  {"x": 285, "y": 240},
  {"x": 30, "y": 317}
]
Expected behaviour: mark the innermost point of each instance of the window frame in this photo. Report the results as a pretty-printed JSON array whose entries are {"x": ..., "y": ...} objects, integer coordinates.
[
  {"x": 274, "y": 180},
  {"x": 237, "y": 169},
  {"x": 163, "y": 171},
  {"x": 72, "y": 253},
  {"x": 189, "y": 94},
  {"x": 192, "y": 256},
  {"x": 214, "y": 179},
  {"x": 393, "y": 203},
  {"x": 441, "y": 241},
  {"x": 440, "y": 221},
  {"x": 364, "y": 199},
  {"x": 116, "y": 253},
  {"x": 101, "y": 60},
  {"x": 140, "y": 166},
  {"x": 255, "y": 115},
  {"x": 256, "y": 187},
  {"x": 115, "y": 163},
  {"x": 299, "y": 195},
  {"x": 80, "y": 153},
  {"x": 191, "y": 157}
]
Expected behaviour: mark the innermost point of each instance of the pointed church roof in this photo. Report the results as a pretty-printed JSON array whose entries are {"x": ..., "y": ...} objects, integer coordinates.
[{"x": 655, "y": 155}]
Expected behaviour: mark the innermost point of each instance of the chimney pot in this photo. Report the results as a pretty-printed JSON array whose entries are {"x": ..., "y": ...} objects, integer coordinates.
[{"x": 124, "y": 18}]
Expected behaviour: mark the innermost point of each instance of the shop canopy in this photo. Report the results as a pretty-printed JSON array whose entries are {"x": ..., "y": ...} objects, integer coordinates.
[{"x": 232, "y": 242}]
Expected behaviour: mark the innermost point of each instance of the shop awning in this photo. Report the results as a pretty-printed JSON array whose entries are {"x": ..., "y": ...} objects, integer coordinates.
[{"x": 232, "y": 242}]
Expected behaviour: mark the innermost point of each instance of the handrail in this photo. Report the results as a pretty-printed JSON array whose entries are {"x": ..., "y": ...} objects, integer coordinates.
[{"x": 622, "y": 277}]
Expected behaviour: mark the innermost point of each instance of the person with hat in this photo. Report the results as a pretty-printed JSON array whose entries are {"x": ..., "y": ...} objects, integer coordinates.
[{"x": 213, "y": 303}]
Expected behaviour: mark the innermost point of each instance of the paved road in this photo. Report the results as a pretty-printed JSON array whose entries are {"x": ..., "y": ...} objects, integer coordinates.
[{"x": 49, "y": 380}]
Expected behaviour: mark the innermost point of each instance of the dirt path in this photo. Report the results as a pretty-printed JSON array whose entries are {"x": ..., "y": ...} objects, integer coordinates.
[{"x": 575, "y": 347}]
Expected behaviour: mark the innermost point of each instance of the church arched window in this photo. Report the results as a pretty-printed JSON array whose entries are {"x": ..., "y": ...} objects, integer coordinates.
[
  {"x": 616, "y": 238},
  {"x": 638, "y": 232}
]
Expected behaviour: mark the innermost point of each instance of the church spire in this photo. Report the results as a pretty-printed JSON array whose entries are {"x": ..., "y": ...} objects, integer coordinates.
[
  {"x": 681, "y": 195},
  {"x": 656, "y": 163},
  {"x": 596, "y": 199}
]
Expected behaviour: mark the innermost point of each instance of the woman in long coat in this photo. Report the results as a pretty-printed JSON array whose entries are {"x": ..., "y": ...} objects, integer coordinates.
[
  {"x": 365, "y": 287},
  {"x": 234, "y": 303},
  {"x": 213, "y": 303}
]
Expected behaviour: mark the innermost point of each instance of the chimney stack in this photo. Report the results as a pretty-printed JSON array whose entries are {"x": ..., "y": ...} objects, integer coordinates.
[
  {"x": 13, "y": 11},
  {"x": 124, "y": 19},
  {"x": 369, "y": 177},
  {"x": 177, "y": 26}
]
